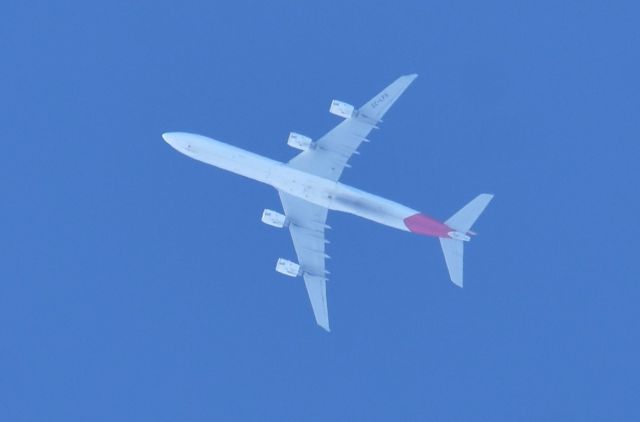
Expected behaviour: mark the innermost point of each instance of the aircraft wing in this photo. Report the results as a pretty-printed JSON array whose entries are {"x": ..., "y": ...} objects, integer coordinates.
[
  {"x": 307, "y": 223},
  {"x": 334, "y": 149}
]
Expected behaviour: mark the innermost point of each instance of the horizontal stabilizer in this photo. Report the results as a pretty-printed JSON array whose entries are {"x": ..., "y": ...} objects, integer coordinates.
[
  {"x": 464, "y": 219},
  {"x": 453, "y": 255},
  {"x": 453, "y": 248}
]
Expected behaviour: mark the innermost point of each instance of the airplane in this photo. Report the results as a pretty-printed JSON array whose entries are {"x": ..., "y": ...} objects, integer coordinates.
[{"x": 309, "y": 187}]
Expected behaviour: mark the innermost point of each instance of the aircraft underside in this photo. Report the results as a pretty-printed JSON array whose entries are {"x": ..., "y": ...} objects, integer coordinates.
[{"x": 308, "y": 186}]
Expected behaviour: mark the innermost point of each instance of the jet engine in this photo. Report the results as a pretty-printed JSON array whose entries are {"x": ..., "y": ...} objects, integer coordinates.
[
  {"x": 274, "y": 219},
  {"x": 342, "y": 109},
  {"x": 300, "y": 142},
  {"x": 288, "y": 268}
]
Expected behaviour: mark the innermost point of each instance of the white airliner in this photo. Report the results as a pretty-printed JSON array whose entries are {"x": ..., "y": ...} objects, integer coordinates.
[{"x": 308, "y": 187}]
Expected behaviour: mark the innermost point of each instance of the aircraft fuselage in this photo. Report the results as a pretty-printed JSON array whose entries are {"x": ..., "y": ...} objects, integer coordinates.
[{"x": 317, "y": 190}]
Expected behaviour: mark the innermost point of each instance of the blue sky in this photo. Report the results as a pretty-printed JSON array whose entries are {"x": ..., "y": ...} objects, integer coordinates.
[{"x": 137, "y": 284}]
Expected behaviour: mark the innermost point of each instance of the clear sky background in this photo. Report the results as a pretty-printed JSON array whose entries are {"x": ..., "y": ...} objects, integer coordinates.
[{"x": 137, "y": 284}]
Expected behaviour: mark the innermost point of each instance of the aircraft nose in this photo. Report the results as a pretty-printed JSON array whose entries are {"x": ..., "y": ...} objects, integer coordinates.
[
  {"x": 169, "y": 137},
  {"x": 183, "y": 142}
]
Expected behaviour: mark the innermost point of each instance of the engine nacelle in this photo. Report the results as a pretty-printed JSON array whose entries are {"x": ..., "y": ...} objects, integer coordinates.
[
  {"x": 301, "y": 142},
  {"x": 342, "y": 109},
  {"x": 274, "y": 219},
  {"x": 288, "y": 268}
]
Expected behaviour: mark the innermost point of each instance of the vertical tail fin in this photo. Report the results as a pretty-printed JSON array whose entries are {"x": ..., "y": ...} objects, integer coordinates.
[{"x": 453, "y": 248}]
